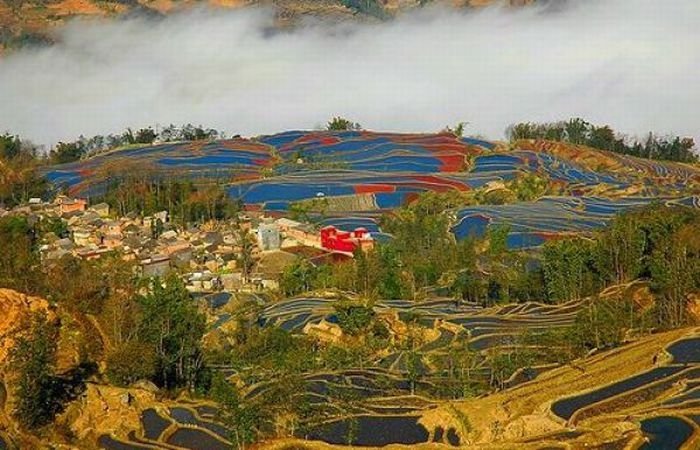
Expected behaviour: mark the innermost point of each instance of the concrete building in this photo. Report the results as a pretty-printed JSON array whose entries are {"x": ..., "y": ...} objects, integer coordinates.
[
  {"x": 268, "y": 236},
  {"x": 346, "y": 241}
]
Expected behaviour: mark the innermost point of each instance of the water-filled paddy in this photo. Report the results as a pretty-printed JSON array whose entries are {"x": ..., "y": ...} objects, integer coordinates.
[
  {"x": 665, "y": 433},
  {"x": 185, "y": 416},
  {"x": 153, "y": 424},
  {"x": 109, "y": 443},
  {"x": 686, "y": 351},
  {"x": 567, "y": 407},
  {"x": 195, "y": 439},
  {"x": 373, "y": 431}
]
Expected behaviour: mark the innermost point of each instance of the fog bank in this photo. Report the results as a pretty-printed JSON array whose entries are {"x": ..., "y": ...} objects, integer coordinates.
[{"x": 633, "y": 64}]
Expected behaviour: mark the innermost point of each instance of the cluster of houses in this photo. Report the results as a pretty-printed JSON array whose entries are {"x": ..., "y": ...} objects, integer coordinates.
[{"x": 209, "y": 256}]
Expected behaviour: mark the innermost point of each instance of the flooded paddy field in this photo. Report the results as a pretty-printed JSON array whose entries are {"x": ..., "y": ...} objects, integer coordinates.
[{"x": 665, "y": 400}]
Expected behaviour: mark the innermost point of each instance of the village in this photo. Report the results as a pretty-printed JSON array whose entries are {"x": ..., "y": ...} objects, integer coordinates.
[{"x": 248, "y": 254}]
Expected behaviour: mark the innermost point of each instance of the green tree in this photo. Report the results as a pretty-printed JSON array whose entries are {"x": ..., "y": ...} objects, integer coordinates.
[
  {"x": 19, "y": 261},
  {"x": 20, "y": 176},
  {"x": 620, "y": 249},
  {"x": 157, "y": 228},
  {"x": 145, "y": 136},
  {"x": 415, "y": 369},
  {"x": 529, "y": 187},
  {"x": 66, "y": 152},
  {"x": 675, "y": 273},
  {"x": 130, "y": 362},
  {"x": 88, "y": 287},
  {"x": 603, "y": 323},
  {"x": 568, "y": 269},
  {"x": 342, "y": 124},
  {"x": 54, "y": 225},
  {"x": 174, "y": 327},
  {"x": 497, "y": 236},
  {"x": 458, "y": 129},
  {"x": 246, "y": 245},
  {"x": 10, "y": 146},
  {"x": 239, "y": 418},
  {"x": 354, "y": 318},
  {"x": 578, "y": 131},
  {"x": 298, "y": 277},
  {"x": 33, "y": 358}
]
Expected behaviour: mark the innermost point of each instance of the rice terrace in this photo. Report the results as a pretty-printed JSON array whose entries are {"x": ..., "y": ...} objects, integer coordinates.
[
  {"x": 358, "y": 173},
  {"x": 436, "y": 347},
  {"x": 202, "y": 249}
]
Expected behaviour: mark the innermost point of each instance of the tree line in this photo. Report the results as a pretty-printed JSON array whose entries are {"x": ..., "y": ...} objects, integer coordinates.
[
  {"x": 141, "y": 190},
  {"x": 21, "y": 161},
  {"x": 580, "y": 132},
  {"x": 65, "y": 152},
  {"x": 20, "y": 175},
  {"x": 657, "y": 243}
]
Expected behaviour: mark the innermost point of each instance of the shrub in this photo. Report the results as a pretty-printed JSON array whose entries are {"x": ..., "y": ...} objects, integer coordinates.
[{"x": 131, "y": 362}]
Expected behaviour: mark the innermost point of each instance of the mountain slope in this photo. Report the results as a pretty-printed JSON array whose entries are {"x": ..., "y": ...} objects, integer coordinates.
[
  {"x": 31, "y": 22},
  {"x": 541, "y": 189}
]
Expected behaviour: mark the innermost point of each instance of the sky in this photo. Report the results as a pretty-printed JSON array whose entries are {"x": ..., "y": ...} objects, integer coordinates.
[{"x": 632, "y": 64}]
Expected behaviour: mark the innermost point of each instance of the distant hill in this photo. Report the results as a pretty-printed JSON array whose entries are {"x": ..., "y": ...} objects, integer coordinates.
[{"x": 30, "y": 22}]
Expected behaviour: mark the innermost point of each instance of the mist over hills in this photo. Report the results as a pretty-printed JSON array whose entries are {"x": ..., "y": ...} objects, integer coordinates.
[
  {"x": 406, "y": 274},
  {"x": 30, "y": 22},
  {"x": 614, "y": 62}
]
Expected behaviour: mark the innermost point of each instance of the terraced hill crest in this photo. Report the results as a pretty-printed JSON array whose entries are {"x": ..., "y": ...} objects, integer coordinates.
[{"x": 361, "y": 174}]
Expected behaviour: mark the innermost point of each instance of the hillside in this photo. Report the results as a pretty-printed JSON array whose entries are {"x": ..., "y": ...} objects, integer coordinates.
[
  {"x": 540, "y": 189},
  {"x": 618, "y": 396},
  {"x": 77, "y": 337},
  {"x": 501, "y": 301},
  {"x": 31, "y": 22}
]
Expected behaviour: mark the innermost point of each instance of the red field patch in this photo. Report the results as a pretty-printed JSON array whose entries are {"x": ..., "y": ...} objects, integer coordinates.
[{"x": 373, "y": 188}]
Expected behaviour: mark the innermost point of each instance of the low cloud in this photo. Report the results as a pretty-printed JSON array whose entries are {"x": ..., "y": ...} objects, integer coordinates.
[{"x": 633, "y": 64}]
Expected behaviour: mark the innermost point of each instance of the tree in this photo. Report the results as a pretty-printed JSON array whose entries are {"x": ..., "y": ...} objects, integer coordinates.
[
  {"x": 66, "y": 152},
  {"x": 10, "y": 146},
  {"x": 341, "y": 124},
  {"x": 354, "y": 318},
  {"x": 298, "y": 277},
  {"x": 620, "y": 249},
  {"x": 529, "y": 187},
  {"x": 20, "y": 178},
  {"x": 371, "y": 7},
  {"x": 246, "y": 244},
  {"x": 503, "y": 365},
  {"x": 497, "y": 236},
  {"x": 578, "y": 131},
  {"x": 33, "y": 358},
  {"x": 239, "y": 419},
  {"x": 19, "y": 261},
  {"x": 462, "y": 360},
  {"x": 145, "y": 136},
  {"x": 415, "y": 369},
  {"x": 88, "y": 287},
  {"x": 458, "y": 129},
  {"x": 174, "y": 327},
  {"x": 603, "y": 323},
  {"x": 568, "y": 272},
  {"x": 675, "y": 273},
  {"x": 130, "y": 362},
  {"x": 157, "y": 228}
]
